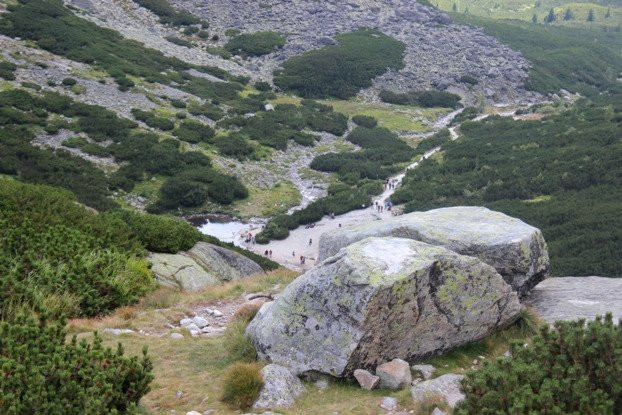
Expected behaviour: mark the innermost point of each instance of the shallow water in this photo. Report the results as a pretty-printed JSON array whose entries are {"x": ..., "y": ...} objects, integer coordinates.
[{"x": 226, "y": 231}]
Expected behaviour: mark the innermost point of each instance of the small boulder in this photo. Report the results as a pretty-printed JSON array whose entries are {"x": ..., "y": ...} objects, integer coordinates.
[
  {"x": 280, "y": 389},
  {"x": 193, "y": 413},
  {"x": 445, "y": 386},
  {"x": 394, "y": 375},
  {"x": 200, "y": 322},
  {"x": 426, "y": 370},
  {"x": 177, "y": 336},
  {"x": 366, "y": 379},
  {"x": 437, "y": 411},
  {"x": 192, "y": 327},
  {"x": 388, "y": 403}
]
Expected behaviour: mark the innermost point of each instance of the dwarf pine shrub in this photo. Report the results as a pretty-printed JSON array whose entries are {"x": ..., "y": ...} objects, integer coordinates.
[
  {"x": 573, "y": 368},
  {"x": 42, "y": 374}
]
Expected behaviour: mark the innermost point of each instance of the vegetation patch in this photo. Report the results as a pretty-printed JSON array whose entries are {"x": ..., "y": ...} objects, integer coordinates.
[
  {"x": 427, "y": 99},
  {"x": 59, "y": 258},
  {"x": 42, "y": 373},
  {"x": 573, "y": 157},
  {"x": 255, "y": 44},
  {"x": 168, "y": 14},
  {"x": 341, "y": 70},
  {"x": 572, "y": 368}
]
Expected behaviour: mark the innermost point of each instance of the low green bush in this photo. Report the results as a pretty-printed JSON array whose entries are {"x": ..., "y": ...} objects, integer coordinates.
[
  {"x": 160, "y": 233},
  {"x": 180, "y": 42},
  {"x": 194, "y": 132},
  {"x": 58, "y": 257},
  {"x": 255, "y": 44},
  {"x": 428, "y": 99},
  {"x": 7, "y": 70},
  {"x": 572, "y": 368},
  {"x": 242, "y": 385},
  {"x": 41, "y": 373},
  {"x": 69, "y": 82},
  {"x": 341, "y": 70},
  {"x": 365, "y": 121}
]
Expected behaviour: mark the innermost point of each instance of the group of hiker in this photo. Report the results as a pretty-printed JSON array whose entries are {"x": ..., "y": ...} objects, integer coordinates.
[
  {"x": 391, "y": 184},
  {"x": 379, "y": 207},
  {"x": 249, "y": 238}
]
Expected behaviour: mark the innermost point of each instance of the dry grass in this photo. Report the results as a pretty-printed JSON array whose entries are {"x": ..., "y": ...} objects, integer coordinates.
[{"x": 197, "y": 367}]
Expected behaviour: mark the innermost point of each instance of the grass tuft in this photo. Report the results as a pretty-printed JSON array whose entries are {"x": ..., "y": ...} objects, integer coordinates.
[{"x": 242, "y": 385}]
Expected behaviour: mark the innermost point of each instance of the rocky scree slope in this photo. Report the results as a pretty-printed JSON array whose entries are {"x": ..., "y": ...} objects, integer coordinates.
[{"x": 438, "y": 51}]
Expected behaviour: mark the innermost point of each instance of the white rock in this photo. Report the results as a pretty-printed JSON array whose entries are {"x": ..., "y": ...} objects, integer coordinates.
[
  {"x": 192, "y": 327},
  {"x": 185, "y": 321},
  {"x": 217, "y": 313},
  {"x": 199, "y": 321},
  {"x": 446, "y": 386},
  {"x": 437, "y": 411},
  {"x": 426, "y": 370},
  {"x": 177, "y": 336},
  {"x": 193, "y": 413},
  {"x": 280, "y": 389},
  {"x": 118, "y": 332},
  {"x": 388, "y": 403}
]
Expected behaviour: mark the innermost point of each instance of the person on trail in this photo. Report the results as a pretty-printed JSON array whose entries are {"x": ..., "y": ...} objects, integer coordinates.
[
  {"x": 340, "y": 225},
  {"x": 310, "y": 241},
  {"x": 266, "y": 253},
  {"x": 294, "y": 254}
]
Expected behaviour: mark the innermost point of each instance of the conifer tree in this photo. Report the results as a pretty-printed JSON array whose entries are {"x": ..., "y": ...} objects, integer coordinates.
[
  {"x": 568, "y": 15},
  {"x": 534, "y": 19},
  {"x": 551, "y": 17}
]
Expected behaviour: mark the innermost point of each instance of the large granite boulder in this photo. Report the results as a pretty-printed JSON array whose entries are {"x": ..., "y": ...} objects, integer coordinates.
[
  {"x": 571, "y": 298},
  {"x": 380, "y": 299},
  {"x": 202, "y": 266},
  {"x": 516, "y": 250}
]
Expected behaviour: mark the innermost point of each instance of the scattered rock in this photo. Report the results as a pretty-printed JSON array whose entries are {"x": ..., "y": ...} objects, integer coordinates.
[
  {"x": 193, "y": 413},
  {"x": 379, "y": 299},
  {"x": 192, "y": 327},
  {"x": 445, "y": 386},
  {"x": 177, "y": 336},
  {"x": 388, "y": 403},
  {"x": 394, "y": 375},
  {"x": 572, "y": 298},
  {"x": 516, "y": 250},
  {"x": 366, "y": 379},
  {"x": 437, "y": 411},
  {"x": 426, "y": 370},
  {"x": 217, "y": 313},
  {"x": 281, "y": 387},
  {"x": 185, "y": 321},
  {"x": 118, "y": 332}
]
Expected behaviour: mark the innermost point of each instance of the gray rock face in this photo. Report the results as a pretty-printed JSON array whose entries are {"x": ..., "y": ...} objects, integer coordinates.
[
  {"x": 204, "y": 265},
  {"x": 516, "y": 250},
  {"x": 394, "y": 375},
  {"x": 571, "y": 298},
  {"x": 446, "y": 387},
  {"x": 380, "y": 299},
  {"x": 281, "y": 388},
  {"x": 438, "y": 51}
]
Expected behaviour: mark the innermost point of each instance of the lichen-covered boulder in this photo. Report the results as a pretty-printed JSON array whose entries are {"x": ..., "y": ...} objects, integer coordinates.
[
  {"x": 446, "y": 387},
  {"x": 515, "y": 249},
  {"x": 380, "y": 299},
  {"x": 202, "y": 266}
]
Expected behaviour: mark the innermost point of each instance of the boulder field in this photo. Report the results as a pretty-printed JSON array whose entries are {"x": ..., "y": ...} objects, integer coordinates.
[
  {"x": 379, "y": 299},
  {"x": 202, "y": 266},
  {"x": 515, "y": 249}
]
